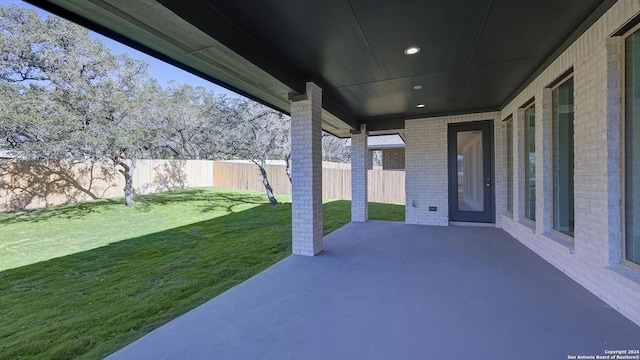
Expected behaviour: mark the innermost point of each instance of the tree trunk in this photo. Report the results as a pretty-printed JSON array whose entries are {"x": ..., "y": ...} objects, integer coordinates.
[
  {"x": 287, "y": 160},
  {"x": 127, "y": 171},
  {"x": 267, "y": 186}
]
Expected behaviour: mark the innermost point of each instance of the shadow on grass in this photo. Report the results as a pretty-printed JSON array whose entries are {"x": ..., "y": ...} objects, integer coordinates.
[
  {"x": 92, "y": 303},
  {"x": 205, "y": 199},
  {"x": 67, "y": 211},
  {"x": 199, "y": 195}
]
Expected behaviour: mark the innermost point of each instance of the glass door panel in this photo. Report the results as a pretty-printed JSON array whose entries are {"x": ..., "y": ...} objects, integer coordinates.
[{"x": 470, "y": 171}]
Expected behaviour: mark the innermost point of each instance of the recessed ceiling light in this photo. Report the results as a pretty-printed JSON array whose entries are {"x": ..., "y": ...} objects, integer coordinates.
[
  {"x": 420, "y": 106},
  {"x": 417, "y": 87},
  {"x": 412, "y": 50}
]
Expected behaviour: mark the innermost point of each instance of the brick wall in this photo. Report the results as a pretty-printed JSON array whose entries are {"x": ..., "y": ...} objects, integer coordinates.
[
  {"x": 426, "y": 167},
  {"x": 593, "y": 256},
  {"x": 393, "y": 159},
  {"x": 359, "y": 172}
]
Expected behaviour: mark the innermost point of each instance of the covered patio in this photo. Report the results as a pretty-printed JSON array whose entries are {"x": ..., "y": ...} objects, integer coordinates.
[
  {"x": 384, "y": 290},
  {"x": 516, "y": 115}
]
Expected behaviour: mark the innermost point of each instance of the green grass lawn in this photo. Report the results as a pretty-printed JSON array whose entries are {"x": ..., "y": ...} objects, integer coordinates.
[{"x": 84, "y": 280}]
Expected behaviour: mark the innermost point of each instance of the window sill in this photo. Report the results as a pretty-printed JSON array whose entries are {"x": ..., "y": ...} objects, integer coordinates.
[
  {"x": 531, "y": 225},
  {"x": 563, "y": 240},
  {"x": 627, "y": 272}
]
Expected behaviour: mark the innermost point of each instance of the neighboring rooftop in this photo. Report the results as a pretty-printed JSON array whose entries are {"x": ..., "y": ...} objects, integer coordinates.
[
  {"x": 382, "y": 142},
  {"x": 6, "y": 154}
]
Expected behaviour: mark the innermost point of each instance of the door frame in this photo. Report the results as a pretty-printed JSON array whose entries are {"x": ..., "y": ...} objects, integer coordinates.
[{"x": 488, "y": 149}]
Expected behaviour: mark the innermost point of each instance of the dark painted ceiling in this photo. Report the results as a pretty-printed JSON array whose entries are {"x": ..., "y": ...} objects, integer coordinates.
[{"x": 475, "y": 54}]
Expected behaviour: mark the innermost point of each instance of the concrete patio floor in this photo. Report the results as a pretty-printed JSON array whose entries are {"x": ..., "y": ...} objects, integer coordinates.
[{"x": 384, "y": 290}]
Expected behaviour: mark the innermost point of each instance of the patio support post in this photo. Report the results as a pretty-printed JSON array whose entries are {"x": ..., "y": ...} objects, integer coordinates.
[
  {"x": 614, "y": 149},
  {"x": 306, "y": 171},
  {"x": 359, "y": 186},
  {"x": 543, "y": 163}
]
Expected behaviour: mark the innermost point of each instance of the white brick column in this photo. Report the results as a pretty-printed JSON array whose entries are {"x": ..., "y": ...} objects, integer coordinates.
[
  {"x": 306, "y": 172},
  {"x": 614, "y": 149},
  {"x": 359, "y": 188},
  {"x": 544, "y": 210},
  {"x": 500, "y": 170}
]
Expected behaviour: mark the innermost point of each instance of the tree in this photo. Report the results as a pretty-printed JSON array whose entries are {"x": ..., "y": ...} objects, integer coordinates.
[
  {"x": 66, "y": 96},
  {"x": 189, "y": 117},
  {"x": 126, "y": 126},
  {"x": 256, "y": 133},
  {"x": 334, "y": 149}
]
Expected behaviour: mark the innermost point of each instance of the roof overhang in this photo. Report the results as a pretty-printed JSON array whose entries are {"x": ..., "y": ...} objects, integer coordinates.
[{"x": 476, "y": 54}]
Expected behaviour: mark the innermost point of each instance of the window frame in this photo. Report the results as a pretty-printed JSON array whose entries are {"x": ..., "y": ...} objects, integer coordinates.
[
  {"x": 556, "y": 84},
  {"x": 530, "y": 104},
  {"x": 508, "y": 121},
  {"x": 623, "y": 157}
]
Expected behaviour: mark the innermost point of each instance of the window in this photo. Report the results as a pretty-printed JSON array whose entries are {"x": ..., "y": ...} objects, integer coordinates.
[
  {"x": 509, "y": 144},
  {"x": 562, "y": 150},
  {"x": 632, "y": 148},
  {"x": 530, "y": 163}
]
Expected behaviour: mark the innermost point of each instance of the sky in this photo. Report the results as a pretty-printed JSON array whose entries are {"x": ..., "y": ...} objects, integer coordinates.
[{"x": 162, "y": 71}]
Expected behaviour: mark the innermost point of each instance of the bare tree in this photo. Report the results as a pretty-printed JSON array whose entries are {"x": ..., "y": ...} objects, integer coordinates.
[
  {"x": 334, "y": 149},
  {"x": 254, "y": 132}
]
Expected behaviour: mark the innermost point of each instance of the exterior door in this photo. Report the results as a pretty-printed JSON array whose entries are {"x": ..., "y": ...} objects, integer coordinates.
[{"x": 471, "y": 172}]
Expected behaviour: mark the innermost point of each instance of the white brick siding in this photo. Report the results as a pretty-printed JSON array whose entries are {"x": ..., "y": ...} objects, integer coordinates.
[
  {"x": 426, "y": 181},
  {"x": 393, "y": 159},
  {"x": 306, "y": 174},
  {"x": 518, "y": 165},
  {"x": 427, "y": 176},
  {"x": 593, "y": 257},
  {"x": 359, "y": 188},
  {"x": 543, "y": 161},
  {"x": 614, "y": 149},
  {"x": 500, "y": 170}
]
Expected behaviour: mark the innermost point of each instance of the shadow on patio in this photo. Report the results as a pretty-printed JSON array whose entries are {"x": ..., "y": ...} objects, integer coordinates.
[{"x": 384, "y": 290}]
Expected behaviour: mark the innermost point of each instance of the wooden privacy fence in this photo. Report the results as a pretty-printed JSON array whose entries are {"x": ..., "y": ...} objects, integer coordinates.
[
  {"x": 385, "y": 186},
  {"x": 33, "y": 184}
]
